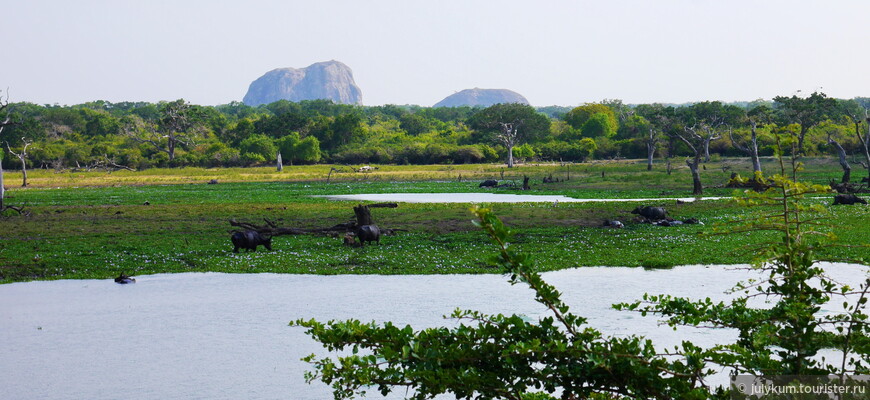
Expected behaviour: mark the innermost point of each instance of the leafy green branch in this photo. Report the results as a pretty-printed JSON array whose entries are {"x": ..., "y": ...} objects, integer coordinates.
[
  {"x": 504, "y": 357},
  {"x": 787, "y": 337}
]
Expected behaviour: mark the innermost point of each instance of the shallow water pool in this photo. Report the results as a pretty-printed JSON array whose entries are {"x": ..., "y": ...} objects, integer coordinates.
[
  {"x": 225, "y": 336},
  {"x": 487, "y": 198}
]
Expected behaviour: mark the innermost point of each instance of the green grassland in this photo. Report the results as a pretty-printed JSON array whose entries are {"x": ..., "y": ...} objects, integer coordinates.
[{"x": 97, "y": 224}]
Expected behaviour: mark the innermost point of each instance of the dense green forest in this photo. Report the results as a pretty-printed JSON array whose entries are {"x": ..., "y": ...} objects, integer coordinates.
[{"x": 139, "y": 135}]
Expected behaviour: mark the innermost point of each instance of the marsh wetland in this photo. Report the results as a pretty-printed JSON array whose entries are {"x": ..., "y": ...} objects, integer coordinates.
[
  {"x": 186, "y": 314},
  {"x": 97, "y": 225}
]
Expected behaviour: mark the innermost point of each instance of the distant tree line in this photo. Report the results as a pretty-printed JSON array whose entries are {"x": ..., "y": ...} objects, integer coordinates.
[{"x": 142, "y": 135}]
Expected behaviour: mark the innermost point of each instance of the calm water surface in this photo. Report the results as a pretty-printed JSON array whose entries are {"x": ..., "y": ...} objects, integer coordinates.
[
  {"x": 225, "y": 336},
  {"x": 485, "y": 198}
]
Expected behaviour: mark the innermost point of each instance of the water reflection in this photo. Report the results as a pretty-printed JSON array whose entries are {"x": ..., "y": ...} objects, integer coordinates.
[{"x": 212, "y": 335}]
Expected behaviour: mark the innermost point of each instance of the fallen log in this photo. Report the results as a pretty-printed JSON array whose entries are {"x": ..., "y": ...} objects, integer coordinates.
[{"x": 362, "y": 213}]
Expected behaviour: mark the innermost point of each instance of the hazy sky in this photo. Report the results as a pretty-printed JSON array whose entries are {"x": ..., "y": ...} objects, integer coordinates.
[{"x": 418, "y": 52}]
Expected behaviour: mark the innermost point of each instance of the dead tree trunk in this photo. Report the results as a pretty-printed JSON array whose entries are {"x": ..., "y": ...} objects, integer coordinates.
[
  {"x": 4, "y": 103},
  {"x": 707, "y": 149},
  {"x": 750, "y": 147},
  {"x": 650, "y": 149},
  {"x": 525, "y": 182},
  {"x": 331, "y": 170},
  {"x": 697, "y": 187},
  {"x": 22, "y": 156},
  {"x": 696, "y": 142},
  {"x": 844, "y": 162},
  {"x": 363, "y": 215},
  {"x": 509, "y": 137},
  {"x": 280, "y": 162}
]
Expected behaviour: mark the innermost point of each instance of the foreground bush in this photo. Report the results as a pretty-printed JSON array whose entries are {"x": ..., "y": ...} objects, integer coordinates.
[{"x": 497, "y": 356}]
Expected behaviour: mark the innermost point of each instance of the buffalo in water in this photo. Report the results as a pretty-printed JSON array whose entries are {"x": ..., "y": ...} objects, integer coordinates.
[
  {"x": 848, "y": 199},
  {"x": 124, "y": 279},
  {"x": 368, "y": 233},
  {"x": 249, "y": 240},
  {"x": 490, "y": 183},
  {"x": 651, "y": 213}
]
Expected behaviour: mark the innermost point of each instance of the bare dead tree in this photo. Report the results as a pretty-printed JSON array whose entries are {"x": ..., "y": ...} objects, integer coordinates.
[
  {"x": 4, "y": 104},
  {"x": 750, "y": 146},
  {"x": 508, "y": 136},
  {"x": 107, "y": 164},
  {"x": 652, "y": 139},
  {"x": 331, "y": 170},
  {"x": 707, "y": 139},
  {"x": 22, "y": 156},
  {"x": 863, "y": 139},
  {"x": 6, "y": 122},
  {"x": 844, "y": 162},
  {"x": 697, "y": 137}
]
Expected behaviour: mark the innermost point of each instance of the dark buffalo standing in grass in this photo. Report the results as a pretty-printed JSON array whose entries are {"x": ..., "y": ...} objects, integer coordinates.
[
  {"x": 249, "y": 240},
  {"x": 368, "y": 233}
]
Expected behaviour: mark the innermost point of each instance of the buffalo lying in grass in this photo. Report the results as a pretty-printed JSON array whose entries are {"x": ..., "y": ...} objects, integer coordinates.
[
  {"x": 848, "y": 199},
  {"x": 651, "y": 213}
]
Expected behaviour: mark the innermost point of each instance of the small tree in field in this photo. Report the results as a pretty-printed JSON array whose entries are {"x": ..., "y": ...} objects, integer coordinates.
[
  {"x": 512, "y": 124},
  {"x": 806, "y": 112},
  {"x": 860, "y": 118},
  {"x": 702, "y": 124},
  {"x": 756, "y": 118},
  {"x": 696, "y": 137},
  {"x": 178, "y": 124},
  {"x": 22, "y": 157},
  {"x": 659, "y": 121},
  {"x": 4, "y": 122}
]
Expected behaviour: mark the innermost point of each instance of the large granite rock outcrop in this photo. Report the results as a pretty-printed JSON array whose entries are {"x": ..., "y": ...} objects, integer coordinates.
[
  {"x": 481, "y": 97},
  {"x": 331, "y": 80}
]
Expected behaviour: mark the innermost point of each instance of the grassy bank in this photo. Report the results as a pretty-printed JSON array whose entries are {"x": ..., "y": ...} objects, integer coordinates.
[
  {"x": 97, "y": 225},
  {"x": 596, "y": 174}
]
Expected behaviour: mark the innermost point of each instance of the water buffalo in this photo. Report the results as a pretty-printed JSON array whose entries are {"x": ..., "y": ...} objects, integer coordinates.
[
  {"x": 250, "y": 240},
  {"x": 848, "y": 199},
  {"x": 124, "y": 279},
  {"x": 368, "y": 233},
  {"x": 490, "y": 183},
  {"x": 650, "y": 213},
  {"x": 665, "y": 222}
]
